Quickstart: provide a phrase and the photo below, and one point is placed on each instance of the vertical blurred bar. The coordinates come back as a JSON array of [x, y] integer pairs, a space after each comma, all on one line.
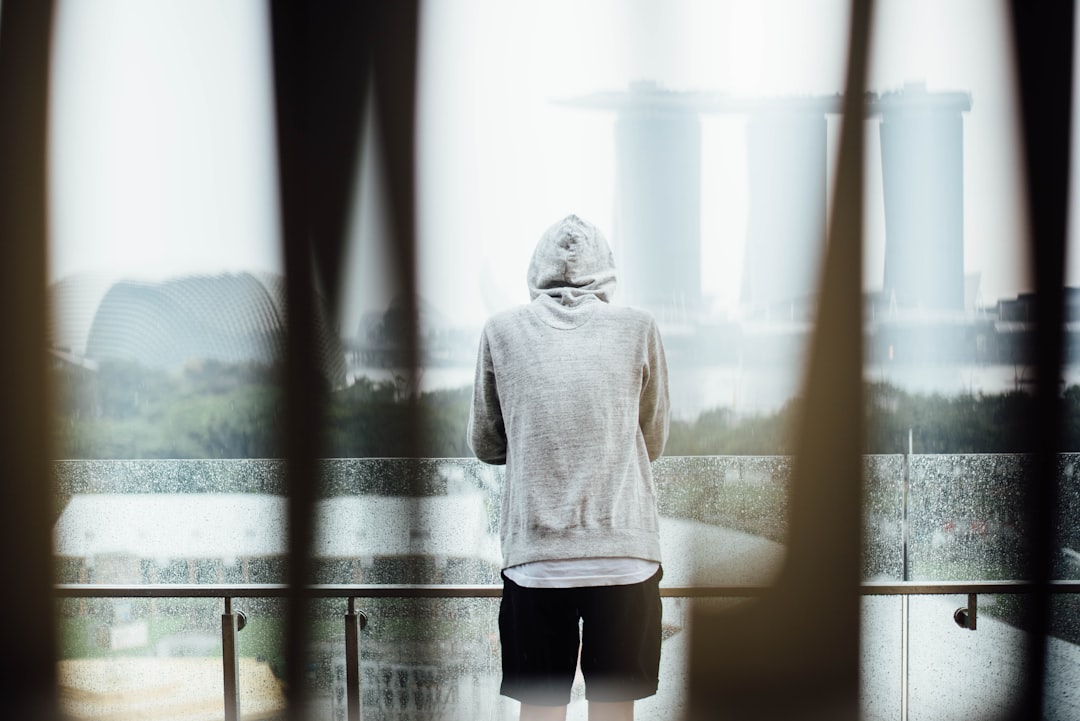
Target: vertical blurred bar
[[293, 35], [794, 653], [395, 47], [1043, 34], [27, 633], [324, 54]]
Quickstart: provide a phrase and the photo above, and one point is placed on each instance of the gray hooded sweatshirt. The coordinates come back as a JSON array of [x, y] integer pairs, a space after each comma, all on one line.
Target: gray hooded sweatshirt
[[571, 394]]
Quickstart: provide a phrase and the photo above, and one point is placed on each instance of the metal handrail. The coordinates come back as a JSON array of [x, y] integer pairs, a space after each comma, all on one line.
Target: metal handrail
[[438, 590], [232, 621]]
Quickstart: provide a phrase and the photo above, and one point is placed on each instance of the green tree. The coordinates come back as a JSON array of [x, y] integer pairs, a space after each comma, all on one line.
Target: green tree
[[221, 410]]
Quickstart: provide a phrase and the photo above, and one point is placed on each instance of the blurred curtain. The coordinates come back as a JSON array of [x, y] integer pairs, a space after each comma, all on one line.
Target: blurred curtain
[[325, 55], [27, 616]]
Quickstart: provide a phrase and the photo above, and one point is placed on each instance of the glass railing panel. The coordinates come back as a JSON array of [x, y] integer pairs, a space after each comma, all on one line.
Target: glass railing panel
[[883, 518], [326, 689], [223, 521], [168, 521], [137, 522], [956, 673], [1064, 643], [161, 658], [724, 519], [966, 521], [370, 532], [1063, 658], [408, 521], [425, 659], [881, 681], [261, 657], [966, 517], [671, 700], [1067, 563]]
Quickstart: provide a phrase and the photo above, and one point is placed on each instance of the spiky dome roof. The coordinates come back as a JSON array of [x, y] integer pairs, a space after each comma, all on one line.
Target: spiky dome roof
[[232, 318]]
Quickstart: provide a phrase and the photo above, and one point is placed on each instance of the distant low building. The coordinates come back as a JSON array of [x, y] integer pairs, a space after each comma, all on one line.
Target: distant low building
[[231, 318]]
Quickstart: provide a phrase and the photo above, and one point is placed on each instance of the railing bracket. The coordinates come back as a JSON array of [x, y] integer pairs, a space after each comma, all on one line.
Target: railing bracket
[[968, 617]]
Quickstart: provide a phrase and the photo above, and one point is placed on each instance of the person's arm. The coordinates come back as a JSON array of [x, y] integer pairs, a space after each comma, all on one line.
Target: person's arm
[[486, 434], [654, 409]]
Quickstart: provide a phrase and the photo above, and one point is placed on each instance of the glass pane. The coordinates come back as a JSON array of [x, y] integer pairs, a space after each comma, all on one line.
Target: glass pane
[[370, 535], [161, 658], [167, 309], [733, 504], [369, 531], [167, 295], [956, 673], [966, 523], [1068, 534], [432, 659], [1064, 641], [883, 518], [965, 517], [137, 522], [881, 677], [1063, 658], [952, 672], [165, 273]]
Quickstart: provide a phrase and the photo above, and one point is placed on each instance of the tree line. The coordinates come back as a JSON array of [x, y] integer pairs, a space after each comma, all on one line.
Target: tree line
[[218, 410]]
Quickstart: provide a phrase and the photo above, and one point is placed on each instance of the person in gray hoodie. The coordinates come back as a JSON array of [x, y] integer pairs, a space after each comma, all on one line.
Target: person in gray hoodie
[[571, 394]]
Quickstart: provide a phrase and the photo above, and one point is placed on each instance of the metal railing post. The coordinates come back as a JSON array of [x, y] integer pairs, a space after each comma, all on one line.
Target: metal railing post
[[354, 624], [230, 661], [905, 601]]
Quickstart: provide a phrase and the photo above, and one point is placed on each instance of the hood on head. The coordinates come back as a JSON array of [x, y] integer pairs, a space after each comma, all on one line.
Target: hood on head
[[572, 261]]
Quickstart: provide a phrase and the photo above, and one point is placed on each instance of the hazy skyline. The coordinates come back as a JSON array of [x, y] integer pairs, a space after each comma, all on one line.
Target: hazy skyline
[[162, 152]]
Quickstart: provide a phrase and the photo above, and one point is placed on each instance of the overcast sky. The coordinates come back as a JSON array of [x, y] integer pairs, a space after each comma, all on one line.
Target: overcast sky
[[162, 152]]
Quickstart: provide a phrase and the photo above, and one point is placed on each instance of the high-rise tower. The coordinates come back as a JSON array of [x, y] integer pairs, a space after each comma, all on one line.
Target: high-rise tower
[[787, 196], [657, 233], [659, 196], [658, 209], [922, 158]]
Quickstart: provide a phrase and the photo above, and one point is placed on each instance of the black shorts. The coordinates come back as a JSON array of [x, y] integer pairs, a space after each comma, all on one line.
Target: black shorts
[[619, 641]]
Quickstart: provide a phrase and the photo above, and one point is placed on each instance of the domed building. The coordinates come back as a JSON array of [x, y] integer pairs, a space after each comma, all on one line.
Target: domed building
[[231, 318]]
